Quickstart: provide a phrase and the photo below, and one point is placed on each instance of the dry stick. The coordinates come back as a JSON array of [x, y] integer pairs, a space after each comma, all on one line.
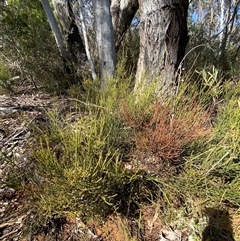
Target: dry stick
[[14, 136], [215, 164], [8, 234], [10, 223], [179, 80], [89, 104], [7, 220], [4, 225], [7, 110]]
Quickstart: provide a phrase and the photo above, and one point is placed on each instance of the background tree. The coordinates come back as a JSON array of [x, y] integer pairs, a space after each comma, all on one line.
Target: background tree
[[213, 27], [85, 37], [162, 34], [167, 38]]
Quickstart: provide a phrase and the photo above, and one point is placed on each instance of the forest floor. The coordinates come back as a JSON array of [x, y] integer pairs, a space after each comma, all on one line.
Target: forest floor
[[18, 112]]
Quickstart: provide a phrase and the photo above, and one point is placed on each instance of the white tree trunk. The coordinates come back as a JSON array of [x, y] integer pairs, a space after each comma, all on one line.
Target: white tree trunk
[[3, 3], [56, 31], [105, 39], [222, 14], [84, 30]]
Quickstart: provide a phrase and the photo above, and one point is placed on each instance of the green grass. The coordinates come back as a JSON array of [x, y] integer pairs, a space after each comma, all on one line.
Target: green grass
[[211, 176], [217, 168], [79, 163]]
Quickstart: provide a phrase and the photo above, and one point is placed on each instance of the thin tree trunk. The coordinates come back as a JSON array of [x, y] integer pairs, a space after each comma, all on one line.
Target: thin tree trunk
[[84, 30], [222, 16], [105, 40], [225, 35], [122, 12], [163, 39], [56, 31]]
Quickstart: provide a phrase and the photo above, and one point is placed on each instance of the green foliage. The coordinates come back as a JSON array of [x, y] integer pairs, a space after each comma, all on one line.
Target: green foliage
[[27, 44], [209, 176], [5, 83], [79, 164], [213, 43], [80, 168], [212, 175], [211, 82]]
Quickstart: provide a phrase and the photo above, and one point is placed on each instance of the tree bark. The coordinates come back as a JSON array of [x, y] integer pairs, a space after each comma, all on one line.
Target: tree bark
[[123, 12], [105, 40], [67, 20], [85, 37], [163, 39], [56, 31], [74, 39]]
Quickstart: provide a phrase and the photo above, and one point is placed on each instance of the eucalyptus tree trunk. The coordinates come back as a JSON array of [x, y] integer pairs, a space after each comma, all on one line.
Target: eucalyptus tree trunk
[[68, 22], [221, 21], [56, 31], [85, 37], [229, 12], [122, 12], [163, 39], [105, 39]]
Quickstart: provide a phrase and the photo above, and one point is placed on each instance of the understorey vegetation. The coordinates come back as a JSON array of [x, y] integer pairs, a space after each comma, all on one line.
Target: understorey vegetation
[[110, 153]]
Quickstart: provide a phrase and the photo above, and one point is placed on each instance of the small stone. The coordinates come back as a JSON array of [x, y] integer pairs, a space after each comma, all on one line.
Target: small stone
[[2, 209]]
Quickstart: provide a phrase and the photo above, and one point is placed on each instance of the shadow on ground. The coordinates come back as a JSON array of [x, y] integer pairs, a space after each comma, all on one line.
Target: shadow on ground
[[219, 226]]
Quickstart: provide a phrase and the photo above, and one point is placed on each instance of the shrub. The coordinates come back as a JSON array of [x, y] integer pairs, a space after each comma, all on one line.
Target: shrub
[[79, 169], [212, 173], [167, 131]]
